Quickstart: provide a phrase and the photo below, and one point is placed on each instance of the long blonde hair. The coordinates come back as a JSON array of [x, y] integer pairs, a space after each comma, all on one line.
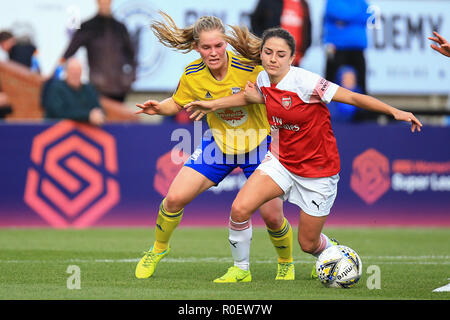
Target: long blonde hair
[[184, 39], [245, 43], [241, 39]]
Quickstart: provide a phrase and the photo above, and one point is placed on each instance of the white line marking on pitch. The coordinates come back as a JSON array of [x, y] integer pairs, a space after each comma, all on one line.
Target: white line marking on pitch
[[445, 288], [399, 260]]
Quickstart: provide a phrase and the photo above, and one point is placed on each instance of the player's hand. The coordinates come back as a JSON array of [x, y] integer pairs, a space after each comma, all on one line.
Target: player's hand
[[198, 109], [252, 94], [150, 107], [441, 46], [408, 117]]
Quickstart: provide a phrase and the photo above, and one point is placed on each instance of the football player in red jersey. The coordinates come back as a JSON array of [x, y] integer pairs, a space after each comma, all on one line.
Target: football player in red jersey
[[305, 168], [216, 73]]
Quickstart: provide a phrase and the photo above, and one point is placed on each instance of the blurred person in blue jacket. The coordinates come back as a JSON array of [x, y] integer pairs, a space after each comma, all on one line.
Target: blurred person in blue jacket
[[20, 50], [345, 37], [340, 112], [347, 78]]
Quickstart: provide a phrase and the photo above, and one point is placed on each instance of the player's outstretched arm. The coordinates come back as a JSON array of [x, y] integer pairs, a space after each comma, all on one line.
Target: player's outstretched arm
[[441, 46], [249, 96], [167, 107], [372, 104]]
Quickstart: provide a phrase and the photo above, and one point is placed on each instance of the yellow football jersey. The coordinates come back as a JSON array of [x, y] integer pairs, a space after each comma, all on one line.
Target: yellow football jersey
[[235, 130]]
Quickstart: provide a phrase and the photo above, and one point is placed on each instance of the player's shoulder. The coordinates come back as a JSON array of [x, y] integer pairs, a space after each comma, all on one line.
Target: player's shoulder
[[239, 63], [295, 77], [194, 67], [299, 78], [302, 75]]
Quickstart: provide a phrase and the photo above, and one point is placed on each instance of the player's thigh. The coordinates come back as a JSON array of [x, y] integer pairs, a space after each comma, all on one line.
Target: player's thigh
[[258, 189], [186, 186]]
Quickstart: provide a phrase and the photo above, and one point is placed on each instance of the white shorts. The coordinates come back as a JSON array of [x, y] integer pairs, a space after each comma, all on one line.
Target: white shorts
[[315, 196]]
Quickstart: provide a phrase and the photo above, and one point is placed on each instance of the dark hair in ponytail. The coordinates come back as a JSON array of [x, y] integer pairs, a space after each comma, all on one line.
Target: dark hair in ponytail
[[249, 46]]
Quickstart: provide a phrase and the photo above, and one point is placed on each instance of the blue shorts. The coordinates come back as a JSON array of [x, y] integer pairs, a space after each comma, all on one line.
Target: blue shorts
[[211, 162]]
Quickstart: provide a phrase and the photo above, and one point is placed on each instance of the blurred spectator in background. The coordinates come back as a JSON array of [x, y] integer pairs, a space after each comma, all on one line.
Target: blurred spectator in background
[[5, 106], [345, 37], [443, 47], [111, 57], [341, 112], [292, 15], [71, 99], [21, 50]]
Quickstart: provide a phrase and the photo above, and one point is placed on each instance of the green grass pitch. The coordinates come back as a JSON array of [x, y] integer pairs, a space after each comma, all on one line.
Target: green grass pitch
[[34, 263]]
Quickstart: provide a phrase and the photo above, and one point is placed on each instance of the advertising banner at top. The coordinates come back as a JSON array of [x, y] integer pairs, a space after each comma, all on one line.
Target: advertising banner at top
[[399, 59]]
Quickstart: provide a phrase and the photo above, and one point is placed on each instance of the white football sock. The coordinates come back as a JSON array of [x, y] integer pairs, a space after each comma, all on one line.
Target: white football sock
[[240, 237], [324, 244]]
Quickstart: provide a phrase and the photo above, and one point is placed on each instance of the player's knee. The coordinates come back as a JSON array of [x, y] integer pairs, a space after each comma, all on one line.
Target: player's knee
[[239, 212], [273, 221], [273, 216], [174, 202]]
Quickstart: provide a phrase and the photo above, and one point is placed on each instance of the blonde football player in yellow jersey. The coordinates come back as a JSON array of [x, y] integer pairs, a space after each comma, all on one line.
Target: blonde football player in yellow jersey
[[238, 134]]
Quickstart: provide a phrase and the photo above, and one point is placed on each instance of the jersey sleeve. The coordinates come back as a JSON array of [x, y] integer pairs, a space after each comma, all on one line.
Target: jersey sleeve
[[183, 93], [324, 90], [313, 88], [259, 83]]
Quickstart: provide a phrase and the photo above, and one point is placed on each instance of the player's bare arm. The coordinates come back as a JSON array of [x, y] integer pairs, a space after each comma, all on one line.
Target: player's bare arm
[[372, 104], [167, 107], [250, 95], [199, 108]]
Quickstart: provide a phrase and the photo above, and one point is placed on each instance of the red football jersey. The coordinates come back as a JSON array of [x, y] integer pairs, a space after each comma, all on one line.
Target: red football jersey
[[300, 121]]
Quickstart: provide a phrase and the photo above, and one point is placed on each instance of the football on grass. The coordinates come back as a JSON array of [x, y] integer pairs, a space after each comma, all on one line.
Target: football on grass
[[339, 267]]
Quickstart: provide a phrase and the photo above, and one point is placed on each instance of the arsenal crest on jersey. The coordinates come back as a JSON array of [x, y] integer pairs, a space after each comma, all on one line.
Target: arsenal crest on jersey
[[286, 102]]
